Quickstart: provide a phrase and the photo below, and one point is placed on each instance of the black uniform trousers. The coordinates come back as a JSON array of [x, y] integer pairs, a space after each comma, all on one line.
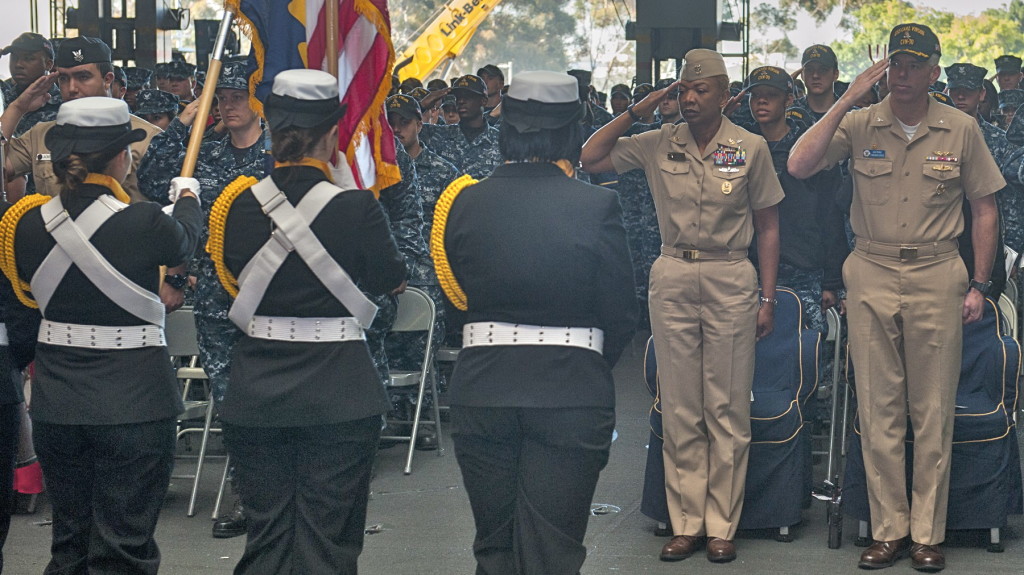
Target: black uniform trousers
[[10, 422], [106, 486], [305, 491], [530, 474]]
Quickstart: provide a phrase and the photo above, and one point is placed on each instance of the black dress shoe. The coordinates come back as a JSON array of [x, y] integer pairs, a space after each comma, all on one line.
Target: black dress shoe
[[882, 554], [426, 441], [232, 525], [680, 547], [927, 558]]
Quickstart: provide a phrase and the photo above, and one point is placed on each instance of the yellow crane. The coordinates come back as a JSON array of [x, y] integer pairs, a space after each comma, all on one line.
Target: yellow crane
[[444, 38]]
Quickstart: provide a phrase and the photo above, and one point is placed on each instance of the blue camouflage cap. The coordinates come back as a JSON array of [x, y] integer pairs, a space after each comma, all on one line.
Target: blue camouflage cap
[[234, 76], [419, 93], [175, 69], [1008, 63], [120, 76], [200, 78], [641, 90], [156, 102], [138, 78], [1011, 99], [964, 75]]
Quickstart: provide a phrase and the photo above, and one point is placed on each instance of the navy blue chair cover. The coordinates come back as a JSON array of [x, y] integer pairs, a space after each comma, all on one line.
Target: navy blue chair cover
[[985, 478], [779, 473]]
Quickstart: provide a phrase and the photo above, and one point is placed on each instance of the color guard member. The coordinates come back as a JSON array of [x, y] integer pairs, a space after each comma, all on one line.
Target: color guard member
[[532, 395], [302, 415], [104, 396]]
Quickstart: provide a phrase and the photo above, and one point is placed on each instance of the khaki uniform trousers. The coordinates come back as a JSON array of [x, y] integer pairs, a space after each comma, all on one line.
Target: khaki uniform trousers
[[704, 321], [905, 339]]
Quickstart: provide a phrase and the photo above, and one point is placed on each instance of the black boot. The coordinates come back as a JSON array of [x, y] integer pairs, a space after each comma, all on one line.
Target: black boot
[[232, 524]]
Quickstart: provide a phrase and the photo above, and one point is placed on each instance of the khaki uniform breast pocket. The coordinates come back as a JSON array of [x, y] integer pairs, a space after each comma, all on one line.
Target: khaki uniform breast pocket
[[45, 180], [727, 187], [942, 183], [873, 181], [677, 177]]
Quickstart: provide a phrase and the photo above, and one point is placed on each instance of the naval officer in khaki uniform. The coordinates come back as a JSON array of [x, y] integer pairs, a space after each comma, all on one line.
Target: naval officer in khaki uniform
[[84, 69], [912, 160], [713, 184]]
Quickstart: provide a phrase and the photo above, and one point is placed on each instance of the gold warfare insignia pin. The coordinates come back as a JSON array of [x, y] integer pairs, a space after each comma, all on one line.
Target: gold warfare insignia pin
[[727, 188]]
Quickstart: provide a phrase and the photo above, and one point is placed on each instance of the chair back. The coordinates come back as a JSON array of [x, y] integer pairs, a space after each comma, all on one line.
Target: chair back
[[180, 331], [416, 311]]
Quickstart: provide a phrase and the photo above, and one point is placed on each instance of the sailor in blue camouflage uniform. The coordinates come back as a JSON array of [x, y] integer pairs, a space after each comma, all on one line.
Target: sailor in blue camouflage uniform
[[638, 212], [472, 145], [812, 245], [180, 79], [820, 71], [404, 207], [434, 174], [31, 57], [220, 163], [1009, 102], [156, 107], [966, 89], [138, 79]]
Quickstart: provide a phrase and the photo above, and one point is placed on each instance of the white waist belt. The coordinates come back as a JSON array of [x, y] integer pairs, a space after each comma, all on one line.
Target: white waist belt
[[305, 329], [3, 334], [499, 333], [100, 336]]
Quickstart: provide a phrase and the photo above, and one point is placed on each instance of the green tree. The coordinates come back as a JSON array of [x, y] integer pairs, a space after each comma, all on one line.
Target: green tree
[[764, 19], [820, 10], [976, 39]]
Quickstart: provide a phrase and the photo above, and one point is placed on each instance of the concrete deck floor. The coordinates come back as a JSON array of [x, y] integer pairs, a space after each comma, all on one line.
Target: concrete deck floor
[[426, 527]]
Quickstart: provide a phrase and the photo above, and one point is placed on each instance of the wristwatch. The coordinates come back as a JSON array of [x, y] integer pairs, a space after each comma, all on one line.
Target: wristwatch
[[176, 281], [983, 287], [629, 110]]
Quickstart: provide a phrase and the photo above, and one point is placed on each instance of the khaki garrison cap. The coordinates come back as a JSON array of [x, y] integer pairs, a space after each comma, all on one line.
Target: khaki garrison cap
[[701, 63]]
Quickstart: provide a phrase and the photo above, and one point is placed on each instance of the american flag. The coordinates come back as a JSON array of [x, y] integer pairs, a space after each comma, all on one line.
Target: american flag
[[292, 34]]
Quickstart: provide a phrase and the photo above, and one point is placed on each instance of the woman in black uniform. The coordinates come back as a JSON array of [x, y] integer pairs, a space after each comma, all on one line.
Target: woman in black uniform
[[104, 396], [302, 410], [545, 276]]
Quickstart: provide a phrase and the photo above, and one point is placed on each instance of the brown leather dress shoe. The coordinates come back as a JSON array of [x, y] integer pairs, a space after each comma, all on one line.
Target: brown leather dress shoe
[[882, 554], [721, 550], [927, 558], [680, 547]]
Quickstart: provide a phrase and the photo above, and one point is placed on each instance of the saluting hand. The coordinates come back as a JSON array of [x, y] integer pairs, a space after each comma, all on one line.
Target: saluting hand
[[431, 99], [866, 80], [37, 94], [734, 103], [188, 115], [650, 103]]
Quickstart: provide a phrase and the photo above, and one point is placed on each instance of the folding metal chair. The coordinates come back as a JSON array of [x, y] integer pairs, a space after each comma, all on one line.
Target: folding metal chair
[[416, 312], [183, 347]]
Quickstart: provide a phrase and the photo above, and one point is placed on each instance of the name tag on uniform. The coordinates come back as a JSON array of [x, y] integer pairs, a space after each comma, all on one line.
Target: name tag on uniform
[[677, 157], [42, 157], [874, 154]]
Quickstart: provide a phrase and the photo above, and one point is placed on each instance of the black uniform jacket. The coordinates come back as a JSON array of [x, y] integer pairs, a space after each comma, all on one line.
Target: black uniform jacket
[[530, 245], [79, 386], [290, 384]]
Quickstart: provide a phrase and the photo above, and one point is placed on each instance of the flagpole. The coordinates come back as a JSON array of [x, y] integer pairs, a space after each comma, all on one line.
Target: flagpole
[[195, 139], [331, 13]]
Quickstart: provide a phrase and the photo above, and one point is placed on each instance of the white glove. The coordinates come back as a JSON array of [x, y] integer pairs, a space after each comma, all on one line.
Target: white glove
[[181, 184]]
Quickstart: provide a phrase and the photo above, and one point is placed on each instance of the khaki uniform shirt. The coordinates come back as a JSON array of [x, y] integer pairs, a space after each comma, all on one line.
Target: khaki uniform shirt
[[28, 154], [912, 192], [701, 205]]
